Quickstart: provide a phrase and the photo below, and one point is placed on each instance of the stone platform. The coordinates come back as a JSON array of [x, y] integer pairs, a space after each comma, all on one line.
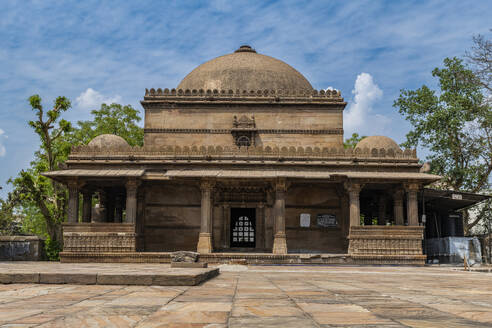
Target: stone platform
[[103, 274]]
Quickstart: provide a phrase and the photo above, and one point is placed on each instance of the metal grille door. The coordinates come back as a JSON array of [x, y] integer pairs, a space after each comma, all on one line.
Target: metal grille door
[[243, 227]]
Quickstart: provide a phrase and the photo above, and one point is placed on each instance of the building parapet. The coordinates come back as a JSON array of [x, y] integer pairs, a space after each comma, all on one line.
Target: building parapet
[[219, 152], [329, 96]]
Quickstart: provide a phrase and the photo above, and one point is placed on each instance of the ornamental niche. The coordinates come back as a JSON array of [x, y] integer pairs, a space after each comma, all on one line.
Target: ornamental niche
[[244, 131]]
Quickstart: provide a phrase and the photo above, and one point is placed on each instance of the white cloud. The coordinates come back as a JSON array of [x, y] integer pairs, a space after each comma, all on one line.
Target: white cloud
[[91, 99], [3, 151], [358, 116]]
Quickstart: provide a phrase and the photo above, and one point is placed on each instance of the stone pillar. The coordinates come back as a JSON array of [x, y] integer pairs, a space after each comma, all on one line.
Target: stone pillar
[[260, 222], [205, 237], [73, 202], [412, 205], [131, 201], [118, 208], [86, 206], [280, 238], [353, 190], [382, 210], [398, 207], [226, 214]]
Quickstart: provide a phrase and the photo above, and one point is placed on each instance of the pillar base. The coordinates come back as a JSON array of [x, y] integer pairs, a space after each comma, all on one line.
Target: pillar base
[[280, 244], [204, 243]]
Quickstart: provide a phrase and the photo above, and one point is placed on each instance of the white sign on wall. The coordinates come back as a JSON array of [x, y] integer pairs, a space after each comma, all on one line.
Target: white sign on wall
[[305, 220]]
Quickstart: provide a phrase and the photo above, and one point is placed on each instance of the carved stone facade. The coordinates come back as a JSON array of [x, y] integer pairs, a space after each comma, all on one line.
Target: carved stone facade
[[244, 160], [99, 238]]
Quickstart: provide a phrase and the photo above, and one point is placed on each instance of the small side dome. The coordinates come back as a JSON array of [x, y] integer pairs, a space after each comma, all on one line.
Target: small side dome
[[108, 141], [378, 142]]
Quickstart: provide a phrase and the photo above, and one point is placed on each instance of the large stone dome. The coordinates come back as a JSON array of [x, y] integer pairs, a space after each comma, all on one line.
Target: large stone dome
[[108, 141], [378, 142], [245, 70]]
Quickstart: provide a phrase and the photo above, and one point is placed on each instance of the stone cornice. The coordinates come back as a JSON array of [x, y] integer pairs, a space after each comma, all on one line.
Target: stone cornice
[[228, 131]]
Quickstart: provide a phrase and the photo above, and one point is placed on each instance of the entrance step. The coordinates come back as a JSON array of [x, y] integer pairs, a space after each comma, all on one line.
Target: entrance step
[[103, 274]]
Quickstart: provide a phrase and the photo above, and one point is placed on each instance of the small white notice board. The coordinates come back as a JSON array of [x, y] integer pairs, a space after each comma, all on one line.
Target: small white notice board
[[305, 220]]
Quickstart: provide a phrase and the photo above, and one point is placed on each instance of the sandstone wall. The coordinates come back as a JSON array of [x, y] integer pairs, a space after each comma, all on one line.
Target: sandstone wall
[[276, 127], [172, 217], [314, 200]]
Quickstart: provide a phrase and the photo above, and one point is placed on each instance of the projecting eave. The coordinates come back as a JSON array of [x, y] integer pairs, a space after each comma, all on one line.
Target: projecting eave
[[63, 175]]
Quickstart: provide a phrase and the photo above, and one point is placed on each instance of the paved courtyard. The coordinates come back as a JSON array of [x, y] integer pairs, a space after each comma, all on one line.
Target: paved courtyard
[[265, 296]]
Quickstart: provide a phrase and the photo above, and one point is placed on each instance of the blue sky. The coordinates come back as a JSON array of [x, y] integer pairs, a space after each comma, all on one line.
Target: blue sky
[[103, 51]]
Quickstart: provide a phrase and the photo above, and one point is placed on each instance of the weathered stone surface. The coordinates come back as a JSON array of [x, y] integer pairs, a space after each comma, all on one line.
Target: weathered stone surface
[[101, 274], [184, 256], [21, 248], [261, 296], [189, 265], [68, 278]]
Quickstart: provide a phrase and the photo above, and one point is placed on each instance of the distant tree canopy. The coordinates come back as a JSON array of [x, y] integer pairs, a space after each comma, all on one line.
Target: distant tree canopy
[[111, 119], [352, 141], [455, 124]]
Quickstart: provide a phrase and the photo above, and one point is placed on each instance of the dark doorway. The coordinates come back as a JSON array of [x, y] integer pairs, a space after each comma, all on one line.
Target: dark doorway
[[243, 227]]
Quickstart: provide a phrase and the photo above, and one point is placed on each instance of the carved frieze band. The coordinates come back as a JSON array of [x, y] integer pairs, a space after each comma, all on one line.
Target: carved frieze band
[[228, 131]]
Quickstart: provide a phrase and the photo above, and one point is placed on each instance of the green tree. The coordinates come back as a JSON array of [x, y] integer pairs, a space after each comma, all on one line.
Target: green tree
[[352, 141], [8, 224], [112, 119], [47, 197], [455, 124]]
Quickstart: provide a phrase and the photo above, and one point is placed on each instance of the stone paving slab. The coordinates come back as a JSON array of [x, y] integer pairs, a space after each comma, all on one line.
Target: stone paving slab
[[266, 296], [102, 274]]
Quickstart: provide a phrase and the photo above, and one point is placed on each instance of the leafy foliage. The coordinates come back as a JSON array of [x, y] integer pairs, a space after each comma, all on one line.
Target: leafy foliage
[[8, 224], [455, 124], [33, 190], [111, 119], [52, 249], [352, 141]]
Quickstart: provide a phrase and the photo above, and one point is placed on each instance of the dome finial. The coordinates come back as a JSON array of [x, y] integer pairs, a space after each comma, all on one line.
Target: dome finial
[[245, 48]]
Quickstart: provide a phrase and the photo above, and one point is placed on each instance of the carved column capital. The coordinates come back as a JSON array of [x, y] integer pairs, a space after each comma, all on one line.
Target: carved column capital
[[412, 186], [207, 184], [132, 183], [281, 185], [73, 184], [352, 187]]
